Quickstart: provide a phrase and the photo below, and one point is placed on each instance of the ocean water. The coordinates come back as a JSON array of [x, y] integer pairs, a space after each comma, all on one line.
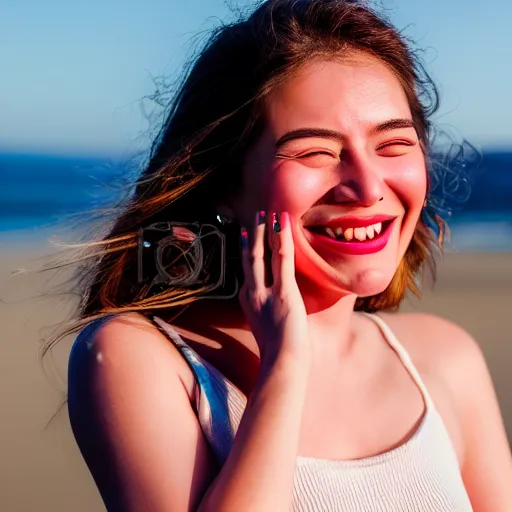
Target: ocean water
[[39, 190]]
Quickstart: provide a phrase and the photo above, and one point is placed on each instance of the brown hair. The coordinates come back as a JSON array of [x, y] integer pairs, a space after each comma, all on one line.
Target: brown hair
[[216, 115]]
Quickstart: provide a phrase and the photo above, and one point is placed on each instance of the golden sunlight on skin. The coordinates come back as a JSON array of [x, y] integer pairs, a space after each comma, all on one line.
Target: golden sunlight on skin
[[360, 170]]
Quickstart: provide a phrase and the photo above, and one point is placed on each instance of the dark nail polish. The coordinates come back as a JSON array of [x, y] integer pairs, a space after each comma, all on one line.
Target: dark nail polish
[[275, 223], [262, 215]]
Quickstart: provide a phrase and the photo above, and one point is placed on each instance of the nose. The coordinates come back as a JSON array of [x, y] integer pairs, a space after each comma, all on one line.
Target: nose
[[360, 183]]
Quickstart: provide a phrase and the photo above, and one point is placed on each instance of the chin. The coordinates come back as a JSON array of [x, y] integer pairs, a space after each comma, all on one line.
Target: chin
[[336, 283], [341, 275], [370, 282]]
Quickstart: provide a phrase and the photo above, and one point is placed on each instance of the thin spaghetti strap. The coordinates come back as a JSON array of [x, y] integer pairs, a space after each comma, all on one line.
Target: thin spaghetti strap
[[169, 331], [189, 354], [186, 352], [392, 340]]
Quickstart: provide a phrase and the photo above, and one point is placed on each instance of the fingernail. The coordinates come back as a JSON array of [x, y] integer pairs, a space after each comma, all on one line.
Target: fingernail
[[262, 215], [275, 223], [244, 237]]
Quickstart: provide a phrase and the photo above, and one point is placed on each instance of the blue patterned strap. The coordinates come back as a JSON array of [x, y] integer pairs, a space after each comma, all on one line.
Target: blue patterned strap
[[214, 398]]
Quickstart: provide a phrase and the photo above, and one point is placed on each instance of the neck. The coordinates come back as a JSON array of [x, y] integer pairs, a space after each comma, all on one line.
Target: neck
[[332, 321], [331, 318]]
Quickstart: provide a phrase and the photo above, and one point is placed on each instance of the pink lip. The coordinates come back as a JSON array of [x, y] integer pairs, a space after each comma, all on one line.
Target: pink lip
[[355, 247]]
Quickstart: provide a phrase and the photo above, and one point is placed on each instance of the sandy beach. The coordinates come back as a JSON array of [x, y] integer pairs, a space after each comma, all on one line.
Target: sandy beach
[[42, 469]]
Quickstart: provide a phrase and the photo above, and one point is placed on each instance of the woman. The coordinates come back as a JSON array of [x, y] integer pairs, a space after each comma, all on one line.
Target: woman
[[304, 130]]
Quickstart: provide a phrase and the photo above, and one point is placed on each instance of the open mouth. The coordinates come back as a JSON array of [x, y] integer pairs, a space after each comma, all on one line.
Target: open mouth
[[361, 234], [352, 235]]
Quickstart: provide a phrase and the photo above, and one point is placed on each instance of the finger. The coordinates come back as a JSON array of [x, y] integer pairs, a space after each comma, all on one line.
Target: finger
[[253, 254], [283, 254], [246, 267]]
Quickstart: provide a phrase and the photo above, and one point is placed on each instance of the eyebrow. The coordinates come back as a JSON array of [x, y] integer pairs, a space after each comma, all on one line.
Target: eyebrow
[[393, 124], [304, 133]]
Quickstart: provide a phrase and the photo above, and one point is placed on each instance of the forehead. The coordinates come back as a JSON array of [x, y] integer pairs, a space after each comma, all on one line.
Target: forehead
[[339, 95]]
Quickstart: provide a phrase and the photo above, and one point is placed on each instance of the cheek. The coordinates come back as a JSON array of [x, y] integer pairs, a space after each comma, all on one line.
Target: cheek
[[295, 189], [410, 183]]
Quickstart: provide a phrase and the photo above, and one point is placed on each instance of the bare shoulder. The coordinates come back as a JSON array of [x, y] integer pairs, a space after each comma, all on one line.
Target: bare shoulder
[[119, 353], [449, 361], [448, 358], [119, 357], [454, 365], [131, 413], [113, 334], [437, 343], [121, 342]]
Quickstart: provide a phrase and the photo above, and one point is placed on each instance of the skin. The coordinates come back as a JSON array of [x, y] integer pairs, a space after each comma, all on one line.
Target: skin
[[308, 350], [367, 173], [317, 177]]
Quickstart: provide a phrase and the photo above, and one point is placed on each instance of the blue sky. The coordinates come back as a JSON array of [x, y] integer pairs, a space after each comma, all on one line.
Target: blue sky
[[73, 73]]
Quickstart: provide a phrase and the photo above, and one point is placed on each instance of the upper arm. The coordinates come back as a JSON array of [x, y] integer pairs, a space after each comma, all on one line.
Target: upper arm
[[487, 465], [133, 421], [487, 461]]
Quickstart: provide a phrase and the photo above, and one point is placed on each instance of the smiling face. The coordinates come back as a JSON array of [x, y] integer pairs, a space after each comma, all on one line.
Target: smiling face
[[339, 153]]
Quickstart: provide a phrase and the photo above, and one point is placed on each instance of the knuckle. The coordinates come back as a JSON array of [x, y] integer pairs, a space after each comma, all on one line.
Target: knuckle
[[254, 302], [283, 297], [254, 256], [281, 252]]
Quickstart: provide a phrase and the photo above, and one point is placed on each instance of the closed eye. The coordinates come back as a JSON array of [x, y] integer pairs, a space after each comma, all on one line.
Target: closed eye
[[306, 155], [314, 158], [314, 153], [396, 147]]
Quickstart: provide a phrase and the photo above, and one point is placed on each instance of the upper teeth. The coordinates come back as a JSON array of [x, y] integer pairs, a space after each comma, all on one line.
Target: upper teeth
[[361, 233]]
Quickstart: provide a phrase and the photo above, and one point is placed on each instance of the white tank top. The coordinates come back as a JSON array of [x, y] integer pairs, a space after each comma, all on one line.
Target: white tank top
[[421, 475]]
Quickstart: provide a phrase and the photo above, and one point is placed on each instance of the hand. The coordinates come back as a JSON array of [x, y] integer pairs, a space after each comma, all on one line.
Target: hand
[[276, 314]]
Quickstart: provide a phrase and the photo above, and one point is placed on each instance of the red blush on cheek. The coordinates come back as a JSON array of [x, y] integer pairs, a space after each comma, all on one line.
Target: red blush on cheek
[[294, 188]]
